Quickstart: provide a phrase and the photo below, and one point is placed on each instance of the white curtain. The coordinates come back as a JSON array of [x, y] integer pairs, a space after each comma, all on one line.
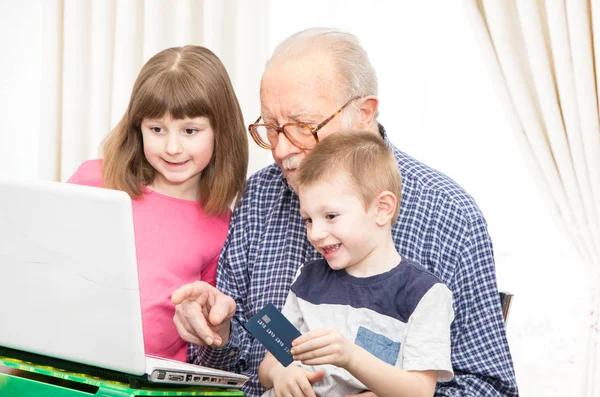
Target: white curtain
[[94, 49], [544, 54]]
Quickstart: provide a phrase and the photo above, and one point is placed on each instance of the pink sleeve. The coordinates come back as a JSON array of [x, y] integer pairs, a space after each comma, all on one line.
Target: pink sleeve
[[209, 273], [89, 173]]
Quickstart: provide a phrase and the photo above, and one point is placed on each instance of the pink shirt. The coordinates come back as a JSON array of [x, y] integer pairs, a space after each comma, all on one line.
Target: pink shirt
[[176, 244]]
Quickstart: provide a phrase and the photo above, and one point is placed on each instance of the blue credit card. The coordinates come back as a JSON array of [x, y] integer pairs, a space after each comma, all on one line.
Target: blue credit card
[[275, 332]]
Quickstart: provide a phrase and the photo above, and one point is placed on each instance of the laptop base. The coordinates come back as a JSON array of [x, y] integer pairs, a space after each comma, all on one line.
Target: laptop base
[[79, 378], [24, 378]]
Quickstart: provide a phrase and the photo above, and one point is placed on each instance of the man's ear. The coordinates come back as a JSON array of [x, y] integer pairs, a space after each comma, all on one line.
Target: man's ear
[[385, 203], [368, 109]]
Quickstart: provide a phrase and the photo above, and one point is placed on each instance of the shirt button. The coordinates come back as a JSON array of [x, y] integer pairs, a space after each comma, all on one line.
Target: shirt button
[[232, 353]]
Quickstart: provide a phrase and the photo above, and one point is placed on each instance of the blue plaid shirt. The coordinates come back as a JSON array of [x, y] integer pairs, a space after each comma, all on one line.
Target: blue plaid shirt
[[439, 226]]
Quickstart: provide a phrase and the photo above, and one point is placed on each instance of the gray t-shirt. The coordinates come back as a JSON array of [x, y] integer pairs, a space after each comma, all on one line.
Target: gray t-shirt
[[402, 317]]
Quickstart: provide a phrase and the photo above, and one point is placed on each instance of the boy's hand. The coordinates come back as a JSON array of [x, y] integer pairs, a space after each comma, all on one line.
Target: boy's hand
[[323, 346], [295, 381]]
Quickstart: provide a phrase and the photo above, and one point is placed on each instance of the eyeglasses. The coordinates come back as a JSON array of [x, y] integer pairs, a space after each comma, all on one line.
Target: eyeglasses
[[299, 134]]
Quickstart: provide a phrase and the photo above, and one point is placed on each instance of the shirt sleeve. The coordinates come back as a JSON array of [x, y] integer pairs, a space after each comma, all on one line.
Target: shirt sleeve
[[291, 310], [232, 280], [427, 344], [480, 353], [89, 173]]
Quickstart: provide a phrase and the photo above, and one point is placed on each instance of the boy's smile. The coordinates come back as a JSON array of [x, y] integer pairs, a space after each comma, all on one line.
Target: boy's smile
[[331, 248]]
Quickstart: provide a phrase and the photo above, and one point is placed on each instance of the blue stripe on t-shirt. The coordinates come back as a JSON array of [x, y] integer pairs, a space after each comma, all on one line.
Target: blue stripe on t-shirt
[[407, 283]]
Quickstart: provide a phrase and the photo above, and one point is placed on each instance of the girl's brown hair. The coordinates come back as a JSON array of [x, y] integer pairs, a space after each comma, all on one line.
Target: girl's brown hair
[[184, 82]]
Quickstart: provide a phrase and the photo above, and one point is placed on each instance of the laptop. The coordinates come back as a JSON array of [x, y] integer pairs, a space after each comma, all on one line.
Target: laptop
[[69, 284]]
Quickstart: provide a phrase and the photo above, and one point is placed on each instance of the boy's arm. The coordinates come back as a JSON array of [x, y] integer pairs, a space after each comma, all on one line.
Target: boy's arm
[[264, 370], [385, 380], [291, 378], [328, 346]]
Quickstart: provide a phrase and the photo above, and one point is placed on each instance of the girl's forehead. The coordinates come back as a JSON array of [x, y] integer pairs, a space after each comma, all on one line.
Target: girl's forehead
[[170, 116], [167, 119]]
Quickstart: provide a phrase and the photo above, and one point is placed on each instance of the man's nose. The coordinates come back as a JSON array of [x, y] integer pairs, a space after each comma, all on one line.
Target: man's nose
[[284, 148], [173, 144]]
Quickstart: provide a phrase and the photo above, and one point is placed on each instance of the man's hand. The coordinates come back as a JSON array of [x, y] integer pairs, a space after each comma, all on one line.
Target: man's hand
[[203, 314], [364, 394], [323, 346], [295, 381]]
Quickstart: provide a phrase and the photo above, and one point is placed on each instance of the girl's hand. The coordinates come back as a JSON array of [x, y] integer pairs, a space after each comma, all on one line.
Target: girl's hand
[[323, 346], [295, 381]]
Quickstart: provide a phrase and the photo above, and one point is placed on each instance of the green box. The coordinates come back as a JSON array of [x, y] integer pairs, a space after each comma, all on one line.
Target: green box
[[20, 378]]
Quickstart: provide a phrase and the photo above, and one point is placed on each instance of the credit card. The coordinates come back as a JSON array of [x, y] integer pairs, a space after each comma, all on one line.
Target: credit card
[[275, 332]]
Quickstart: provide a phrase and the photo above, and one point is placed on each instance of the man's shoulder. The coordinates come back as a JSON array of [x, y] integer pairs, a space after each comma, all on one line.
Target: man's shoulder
[[268, 178], [264, 189], [426, 185]]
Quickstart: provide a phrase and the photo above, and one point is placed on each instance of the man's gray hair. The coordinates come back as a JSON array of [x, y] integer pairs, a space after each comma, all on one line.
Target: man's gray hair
[[357, 75]]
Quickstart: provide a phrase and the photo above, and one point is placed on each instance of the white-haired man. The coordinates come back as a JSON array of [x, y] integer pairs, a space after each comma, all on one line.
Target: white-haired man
[[320, 82]]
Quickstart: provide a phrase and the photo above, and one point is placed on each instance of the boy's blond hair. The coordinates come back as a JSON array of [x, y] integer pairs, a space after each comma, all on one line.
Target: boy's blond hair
[[364, 156]]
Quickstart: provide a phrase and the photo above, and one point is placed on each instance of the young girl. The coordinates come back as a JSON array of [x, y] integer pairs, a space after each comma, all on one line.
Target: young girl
[[181, 152]]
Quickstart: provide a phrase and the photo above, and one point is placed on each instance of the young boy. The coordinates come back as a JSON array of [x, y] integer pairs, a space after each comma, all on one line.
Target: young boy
[[370, 319]]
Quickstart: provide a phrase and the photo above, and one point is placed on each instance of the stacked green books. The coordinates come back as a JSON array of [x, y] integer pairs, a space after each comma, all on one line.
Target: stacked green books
[[24, 378]]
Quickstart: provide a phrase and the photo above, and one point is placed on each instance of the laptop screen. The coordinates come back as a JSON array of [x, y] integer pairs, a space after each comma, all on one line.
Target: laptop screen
[[69, 282]]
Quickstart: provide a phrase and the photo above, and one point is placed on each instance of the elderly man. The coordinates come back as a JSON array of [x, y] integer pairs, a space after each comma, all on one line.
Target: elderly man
[[320, 82]]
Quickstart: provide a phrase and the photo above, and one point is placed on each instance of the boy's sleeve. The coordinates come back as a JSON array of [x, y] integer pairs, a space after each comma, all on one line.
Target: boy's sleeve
[[427, 344], [291, 308]]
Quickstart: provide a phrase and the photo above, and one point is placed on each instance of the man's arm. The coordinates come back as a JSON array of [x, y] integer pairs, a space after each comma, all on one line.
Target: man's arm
[[232, 280], [480, 354]]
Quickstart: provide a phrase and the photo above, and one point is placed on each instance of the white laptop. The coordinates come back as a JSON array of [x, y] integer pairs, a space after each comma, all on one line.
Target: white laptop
[[69, 283]]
